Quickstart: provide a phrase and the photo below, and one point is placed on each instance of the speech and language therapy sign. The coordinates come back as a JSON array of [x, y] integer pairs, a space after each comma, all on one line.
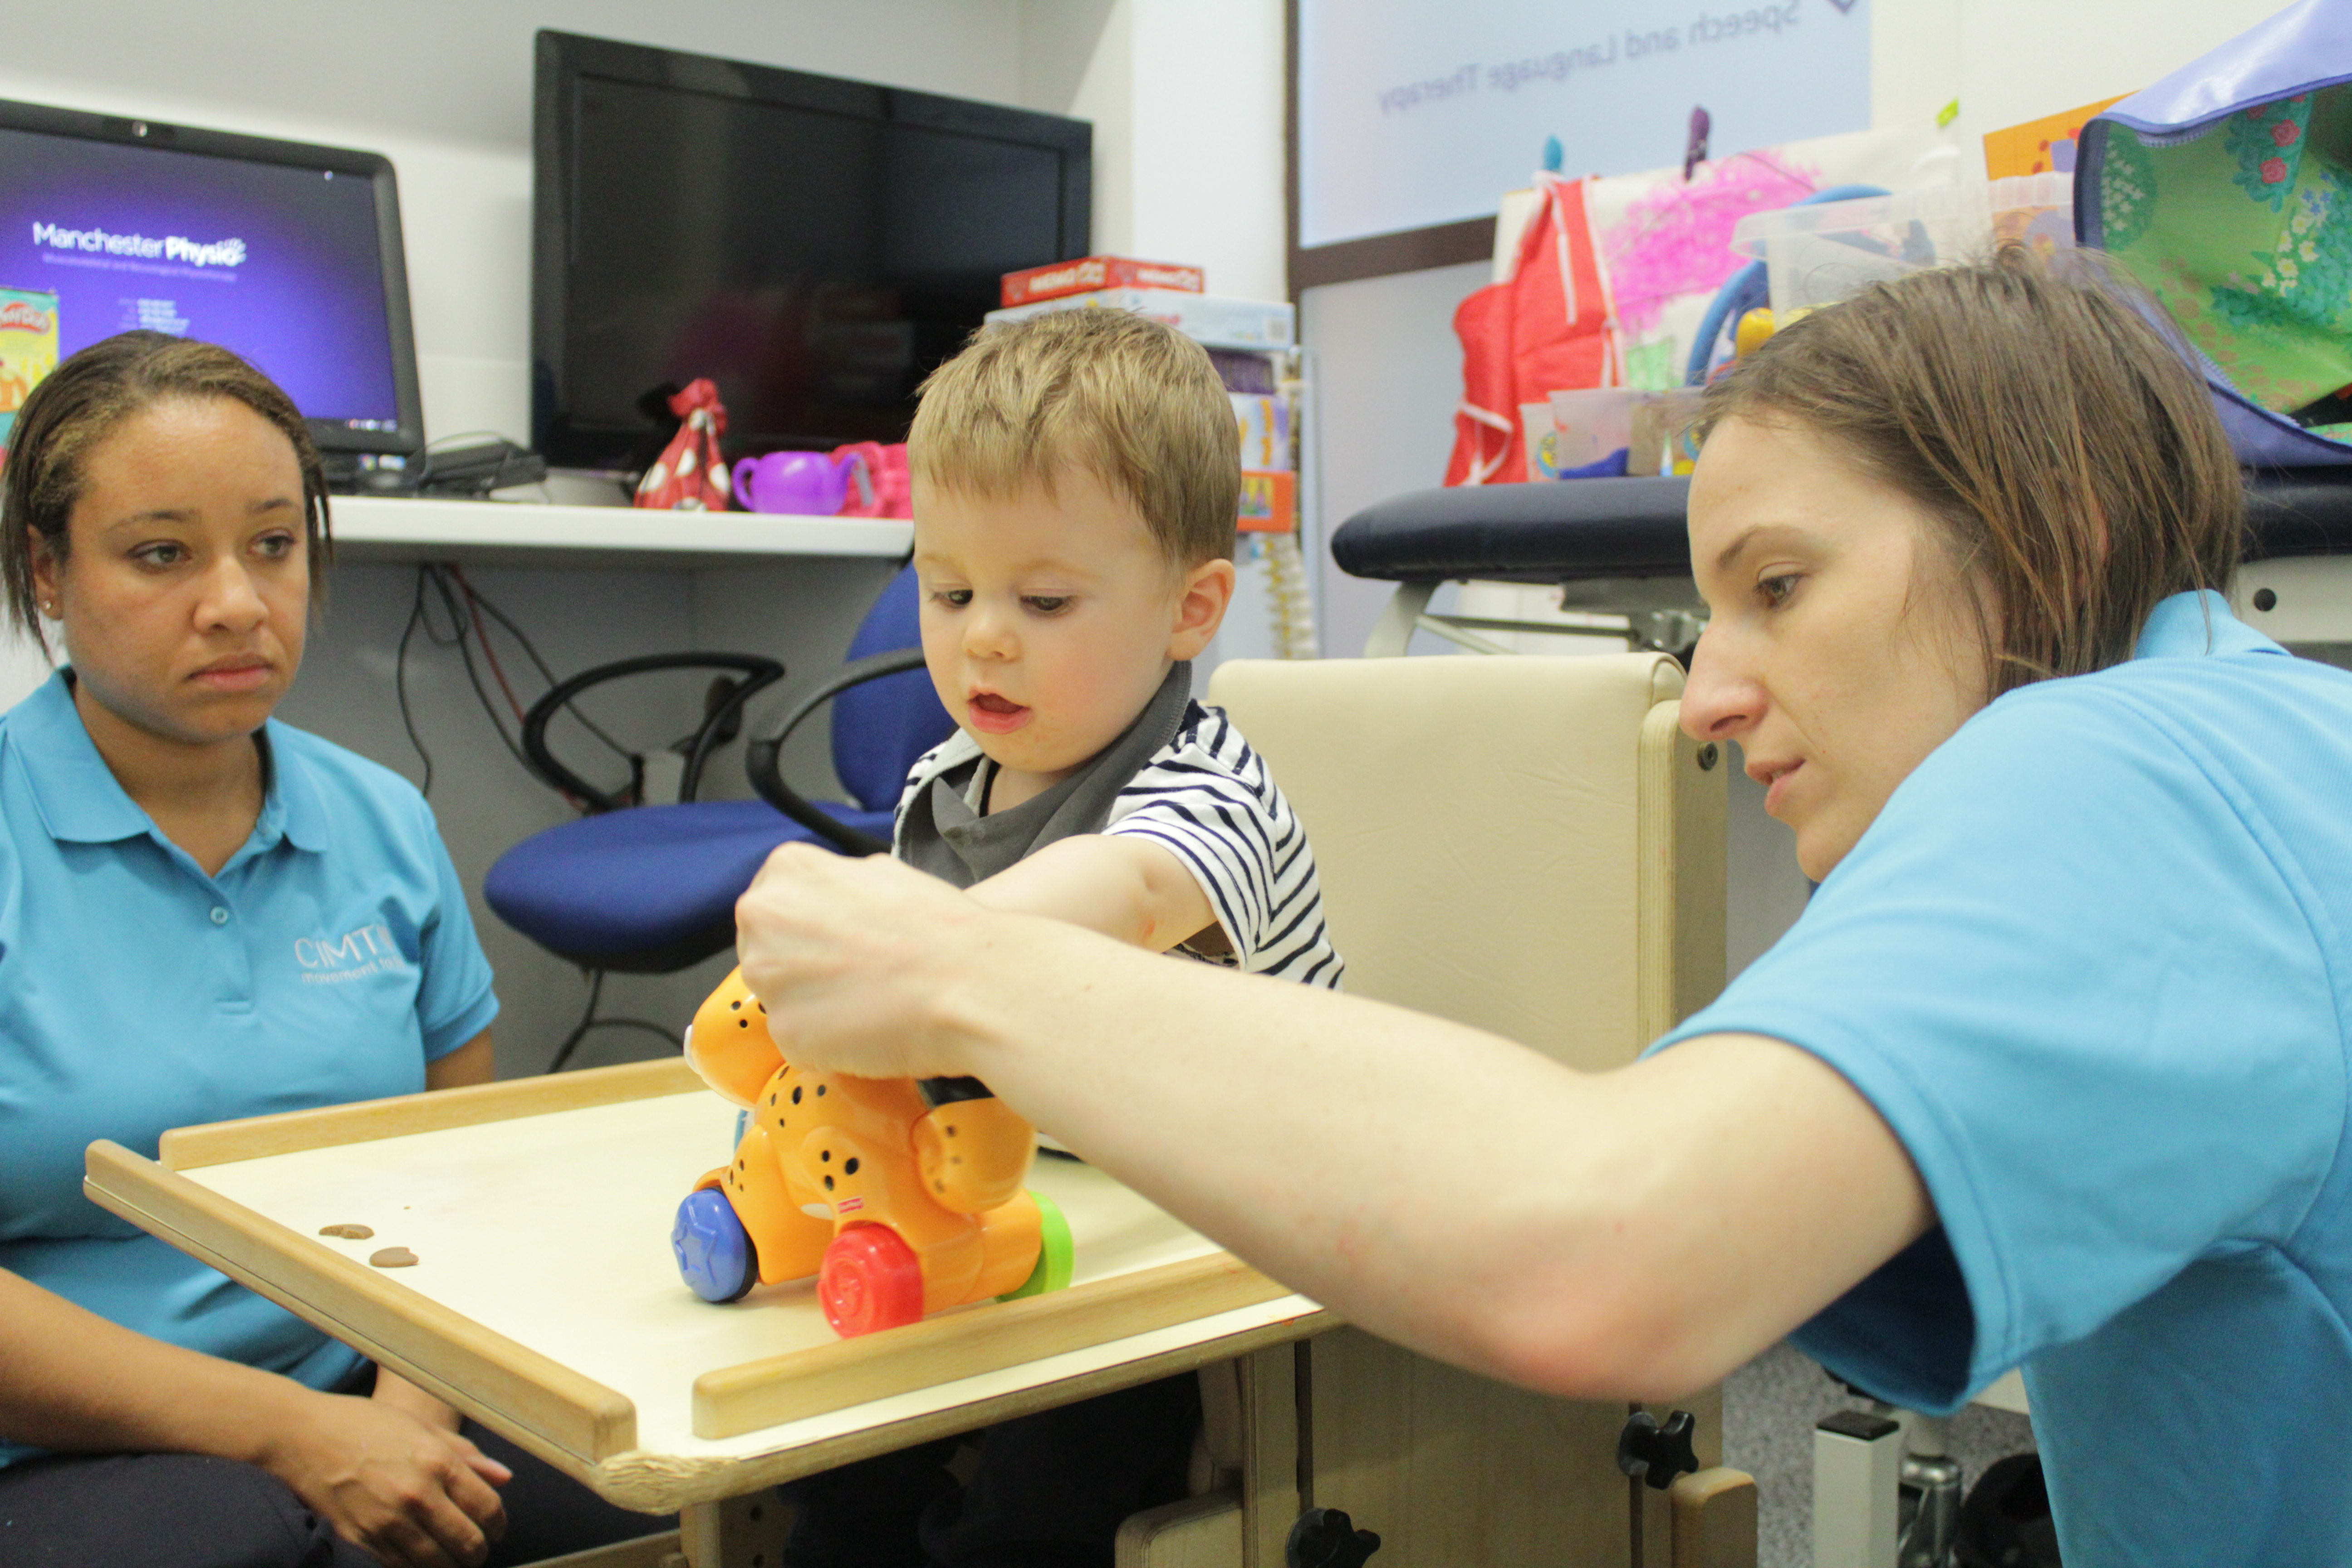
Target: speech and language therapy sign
[[1413, 113]]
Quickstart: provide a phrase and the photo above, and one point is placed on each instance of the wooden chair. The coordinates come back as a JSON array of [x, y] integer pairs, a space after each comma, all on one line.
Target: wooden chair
[[1532, 846]]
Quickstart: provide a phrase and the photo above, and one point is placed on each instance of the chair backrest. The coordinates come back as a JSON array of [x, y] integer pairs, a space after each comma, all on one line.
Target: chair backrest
[[880, 727], [1526, 845]]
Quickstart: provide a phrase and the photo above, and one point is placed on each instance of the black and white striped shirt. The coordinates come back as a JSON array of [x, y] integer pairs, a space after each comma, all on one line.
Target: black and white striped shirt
[[1211, 801]]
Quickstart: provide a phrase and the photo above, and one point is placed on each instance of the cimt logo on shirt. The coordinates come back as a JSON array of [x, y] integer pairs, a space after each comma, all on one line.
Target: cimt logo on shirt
[[356, 954]]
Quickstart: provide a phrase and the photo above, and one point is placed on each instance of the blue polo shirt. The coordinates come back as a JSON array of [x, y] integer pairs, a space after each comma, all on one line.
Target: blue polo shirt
[[329, 961], [2092, 964]]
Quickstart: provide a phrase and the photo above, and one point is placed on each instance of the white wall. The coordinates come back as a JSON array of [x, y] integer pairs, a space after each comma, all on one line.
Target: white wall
[[1389, 369], [1186, 98], [2007, 62], [444, 88], [1187, 94]]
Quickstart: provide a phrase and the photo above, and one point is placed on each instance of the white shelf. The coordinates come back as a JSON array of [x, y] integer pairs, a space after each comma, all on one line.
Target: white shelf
[[390, 528]]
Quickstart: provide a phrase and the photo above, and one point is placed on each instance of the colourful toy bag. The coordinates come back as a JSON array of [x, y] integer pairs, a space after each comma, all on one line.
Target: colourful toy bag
[[1664, 234], [2226, 191], [1612, 279]]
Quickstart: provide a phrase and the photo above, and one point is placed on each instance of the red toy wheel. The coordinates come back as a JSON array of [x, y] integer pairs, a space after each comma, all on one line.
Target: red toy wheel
[[870, 1280]]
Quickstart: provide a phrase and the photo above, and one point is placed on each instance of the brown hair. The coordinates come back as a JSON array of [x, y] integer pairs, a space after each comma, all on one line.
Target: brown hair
[[2062, 438], [75, 407], [1136, 404]]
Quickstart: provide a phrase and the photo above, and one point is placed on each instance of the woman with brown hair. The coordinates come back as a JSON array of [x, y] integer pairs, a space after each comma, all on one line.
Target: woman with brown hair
[[2051, 1072], [207, 914]]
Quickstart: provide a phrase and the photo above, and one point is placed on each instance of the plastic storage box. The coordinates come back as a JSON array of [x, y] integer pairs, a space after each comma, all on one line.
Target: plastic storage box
[[1818, 255]]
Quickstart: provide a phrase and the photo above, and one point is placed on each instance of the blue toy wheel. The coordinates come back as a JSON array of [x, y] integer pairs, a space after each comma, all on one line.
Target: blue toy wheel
[[715, 1255]]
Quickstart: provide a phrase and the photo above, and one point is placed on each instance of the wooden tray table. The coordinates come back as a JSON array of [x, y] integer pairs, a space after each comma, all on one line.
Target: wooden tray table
[[546, 1304]]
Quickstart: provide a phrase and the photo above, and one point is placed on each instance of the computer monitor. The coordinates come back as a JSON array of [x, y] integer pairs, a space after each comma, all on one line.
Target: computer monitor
[[286, 253], [812, 245]]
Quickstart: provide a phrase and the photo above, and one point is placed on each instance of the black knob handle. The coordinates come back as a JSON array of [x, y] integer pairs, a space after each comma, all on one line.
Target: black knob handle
[[1655, 1454], [1326, 1538]]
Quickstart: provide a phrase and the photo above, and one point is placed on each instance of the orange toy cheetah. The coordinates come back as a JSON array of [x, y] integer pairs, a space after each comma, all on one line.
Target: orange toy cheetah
[[900, 1197]]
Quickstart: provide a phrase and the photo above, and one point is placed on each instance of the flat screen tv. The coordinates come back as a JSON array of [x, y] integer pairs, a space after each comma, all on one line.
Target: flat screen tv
[[812, 245], [288, 253]]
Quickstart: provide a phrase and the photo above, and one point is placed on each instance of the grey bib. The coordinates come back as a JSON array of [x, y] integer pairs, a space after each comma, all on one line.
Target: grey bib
[[944, 835]]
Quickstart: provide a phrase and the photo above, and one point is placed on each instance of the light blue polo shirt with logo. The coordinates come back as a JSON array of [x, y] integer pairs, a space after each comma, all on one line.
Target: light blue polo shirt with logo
[[329, 961], [2092, 964]]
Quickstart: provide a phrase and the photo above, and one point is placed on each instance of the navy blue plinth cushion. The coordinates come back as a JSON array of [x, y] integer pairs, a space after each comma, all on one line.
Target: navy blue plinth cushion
[[1563, 531], [880, 727], [649, 890], [1576, 529]]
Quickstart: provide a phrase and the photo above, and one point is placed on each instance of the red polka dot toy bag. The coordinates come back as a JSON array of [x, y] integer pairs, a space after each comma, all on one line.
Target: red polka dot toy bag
[[690, 476], [2226, 191]]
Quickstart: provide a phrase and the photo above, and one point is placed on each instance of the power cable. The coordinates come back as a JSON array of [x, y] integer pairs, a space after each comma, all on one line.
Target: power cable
[[460, 623], [400, 685], [589, 1023], [482, 636], [530, 650]]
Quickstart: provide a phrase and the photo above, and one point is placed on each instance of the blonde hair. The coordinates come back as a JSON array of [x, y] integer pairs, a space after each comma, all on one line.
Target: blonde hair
[[1137, 404]]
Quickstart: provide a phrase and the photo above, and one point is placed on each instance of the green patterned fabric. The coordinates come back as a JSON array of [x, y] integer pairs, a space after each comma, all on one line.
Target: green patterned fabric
[[2244, 233]]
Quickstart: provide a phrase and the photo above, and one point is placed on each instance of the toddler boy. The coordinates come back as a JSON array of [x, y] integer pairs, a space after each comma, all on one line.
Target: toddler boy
[[1077, 479]]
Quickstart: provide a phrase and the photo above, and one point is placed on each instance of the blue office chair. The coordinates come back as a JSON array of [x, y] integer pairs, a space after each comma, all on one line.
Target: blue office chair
[[651, 889]]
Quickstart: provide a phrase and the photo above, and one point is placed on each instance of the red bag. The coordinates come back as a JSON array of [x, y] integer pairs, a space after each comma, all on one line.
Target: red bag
[[1546, 329], [690, 475]]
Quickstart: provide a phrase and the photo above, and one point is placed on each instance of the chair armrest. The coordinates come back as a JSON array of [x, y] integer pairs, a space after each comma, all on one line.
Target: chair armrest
[[758, 671], [759, 757]]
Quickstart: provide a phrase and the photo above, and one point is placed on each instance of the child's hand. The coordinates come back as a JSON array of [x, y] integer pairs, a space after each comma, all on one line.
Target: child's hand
[[854, 961]]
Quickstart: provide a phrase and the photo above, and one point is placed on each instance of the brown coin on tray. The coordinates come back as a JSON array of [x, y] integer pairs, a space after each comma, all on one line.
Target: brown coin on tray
[[348, 1232], [392, 1258]]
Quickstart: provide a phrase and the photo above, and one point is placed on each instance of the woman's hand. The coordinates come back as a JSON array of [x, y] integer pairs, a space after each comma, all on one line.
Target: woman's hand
[[414, 1495], [399, 1394], [852, 957]]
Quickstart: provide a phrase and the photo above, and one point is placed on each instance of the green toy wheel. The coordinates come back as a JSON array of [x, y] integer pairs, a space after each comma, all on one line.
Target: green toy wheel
[[1057, 1256]]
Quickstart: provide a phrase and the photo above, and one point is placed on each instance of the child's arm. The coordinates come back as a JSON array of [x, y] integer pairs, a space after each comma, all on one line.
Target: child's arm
[[1122, 886]]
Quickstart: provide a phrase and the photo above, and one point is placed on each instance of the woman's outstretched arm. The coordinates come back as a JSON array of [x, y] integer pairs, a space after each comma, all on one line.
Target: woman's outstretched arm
[[1634, 1233]]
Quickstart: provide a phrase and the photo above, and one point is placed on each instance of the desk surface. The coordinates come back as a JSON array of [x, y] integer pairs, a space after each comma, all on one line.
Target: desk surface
[[390, 528], [547, 1234]]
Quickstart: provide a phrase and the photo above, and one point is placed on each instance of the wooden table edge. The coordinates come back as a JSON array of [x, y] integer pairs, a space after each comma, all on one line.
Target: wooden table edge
[[366, 1121], [661, 1483], [562, 1415], [731, 1401]]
